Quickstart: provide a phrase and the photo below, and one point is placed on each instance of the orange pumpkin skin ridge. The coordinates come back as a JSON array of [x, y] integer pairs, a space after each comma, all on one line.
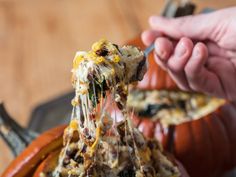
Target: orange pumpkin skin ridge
[[25, 164], [204, 146]]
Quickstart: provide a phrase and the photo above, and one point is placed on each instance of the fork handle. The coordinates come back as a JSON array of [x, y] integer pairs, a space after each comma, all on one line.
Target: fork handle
[[15, 136]]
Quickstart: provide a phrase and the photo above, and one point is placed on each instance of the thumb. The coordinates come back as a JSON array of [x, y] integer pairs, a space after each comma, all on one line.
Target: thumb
[[199, 27]]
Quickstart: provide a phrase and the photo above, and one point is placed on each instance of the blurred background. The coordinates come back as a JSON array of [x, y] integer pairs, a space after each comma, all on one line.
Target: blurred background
[[39, 38]]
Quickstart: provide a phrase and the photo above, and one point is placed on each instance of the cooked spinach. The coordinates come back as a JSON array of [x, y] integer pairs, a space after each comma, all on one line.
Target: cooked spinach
[[151, 109], [96, 90]]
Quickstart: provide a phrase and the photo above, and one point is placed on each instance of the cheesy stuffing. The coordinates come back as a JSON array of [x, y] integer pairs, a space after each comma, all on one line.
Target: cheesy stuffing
[[94, 143]]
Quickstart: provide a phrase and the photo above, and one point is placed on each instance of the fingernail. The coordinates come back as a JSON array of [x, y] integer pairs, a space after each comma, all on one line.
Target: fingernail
[[181, 49], [196, 52], [152, 19], [161, 54]]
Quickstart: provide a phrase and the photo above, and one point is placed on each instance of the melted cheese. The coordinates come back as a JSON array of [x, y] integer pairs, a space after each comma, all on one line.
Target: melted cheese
[[114, 66], [98, 136]]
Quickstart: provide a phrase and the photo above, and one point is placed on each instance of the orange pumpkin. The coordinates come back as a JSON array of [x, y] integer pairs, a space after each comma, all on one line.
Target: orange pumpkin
[[25, 164], [205, 146], [41, 156]]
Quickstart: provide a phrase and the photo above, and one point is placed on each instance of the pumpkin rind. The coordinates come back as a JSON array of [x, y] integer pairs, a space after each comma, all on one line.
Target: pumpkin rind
[[48, 164], [25, 164]]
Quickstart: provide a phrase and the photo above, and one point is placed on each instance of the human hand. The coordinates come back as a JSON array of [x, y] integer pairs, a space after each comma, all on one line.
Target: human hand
[[199, 52]]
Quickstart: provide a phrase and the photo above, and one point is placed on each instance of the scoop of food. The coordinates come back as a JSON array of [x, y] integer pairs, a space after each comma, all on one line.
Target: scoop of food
[[94, 143], [106, 65]]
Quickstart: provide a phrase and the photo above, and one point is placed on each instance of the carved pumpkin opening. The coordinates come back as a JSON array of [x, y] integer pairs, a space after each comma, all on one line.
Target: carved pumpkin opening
[[171, 107]]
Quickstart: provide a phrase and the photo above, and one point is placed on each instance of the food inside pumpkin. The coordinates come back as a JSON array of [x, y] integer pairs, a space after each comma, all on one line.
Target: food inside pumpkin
[[171, 107], [94, 143], [124, 154]]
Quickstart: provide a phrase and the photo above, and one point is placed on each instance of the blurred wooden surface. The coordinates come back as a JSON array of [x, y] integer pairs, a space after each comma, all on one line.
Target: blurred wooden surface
[[38, 40]]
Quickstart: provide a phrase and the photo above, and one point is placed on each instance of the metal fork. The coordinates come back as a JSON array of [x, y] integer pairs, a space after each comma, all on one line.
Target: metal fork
[[149, 49]]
